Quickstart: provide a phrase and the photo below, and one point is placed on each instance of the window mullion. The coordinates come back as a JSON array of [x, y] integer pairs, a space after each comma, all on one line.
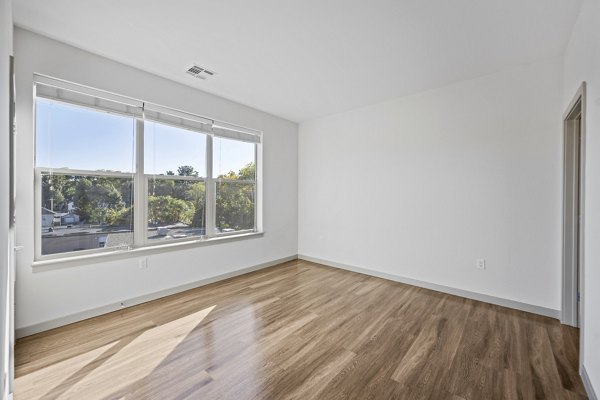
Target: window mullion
[[258, 188], [140, 199], [38, 218], [210, 189]]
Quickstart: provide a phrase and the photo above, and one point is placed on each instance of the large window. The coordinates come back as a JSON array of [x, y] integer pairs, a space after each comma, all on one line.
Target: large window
[[235, 170], [85, 167], [175, 167], [113, 173]]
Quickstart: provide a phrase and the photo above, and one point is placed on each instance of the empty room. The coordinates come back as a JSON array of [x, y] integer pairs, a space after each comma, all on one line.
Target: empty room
[[277, 200]]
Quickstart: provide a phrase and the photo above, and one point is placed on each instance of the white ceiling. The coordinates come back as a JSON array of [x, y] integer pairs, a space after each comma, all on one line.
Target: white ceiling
[[308, 58]]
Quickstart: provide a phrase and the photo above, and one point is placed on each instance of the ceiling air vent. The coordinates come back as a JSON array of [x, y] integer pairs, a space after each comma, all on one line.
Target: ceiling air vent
[[199, 72]]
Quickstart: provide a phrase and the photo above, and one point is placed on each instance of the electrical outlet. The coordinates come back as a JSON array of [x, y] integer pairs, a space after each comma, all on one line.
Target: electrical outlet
[[480, 263], [143, 263]]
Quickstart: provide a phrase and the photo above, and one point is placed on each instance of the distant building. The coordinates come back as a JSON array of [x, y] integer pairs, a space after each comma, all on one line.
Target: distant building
[[47, 218], [69, 219], [64, 240]]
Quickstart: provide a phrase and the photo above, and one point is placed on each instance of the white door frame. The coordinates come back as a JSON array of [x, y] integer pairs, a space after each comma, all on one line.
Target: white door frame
[[574, 139]]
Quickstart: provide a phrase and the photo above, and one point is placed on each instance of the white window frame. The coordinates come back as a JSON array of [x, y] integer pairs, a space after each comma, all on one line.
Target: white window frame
[[39, 171], [146, 182], [141, 179]]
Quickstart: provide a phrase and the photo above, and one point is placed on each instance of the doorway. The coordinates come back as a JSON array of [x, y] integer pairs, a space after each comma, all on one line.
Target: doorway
[[573, 209]]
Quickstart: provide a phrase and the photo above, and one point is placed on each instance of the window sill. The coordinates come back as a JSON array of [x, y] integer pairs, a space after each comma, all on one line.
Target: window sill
[[78, 260]]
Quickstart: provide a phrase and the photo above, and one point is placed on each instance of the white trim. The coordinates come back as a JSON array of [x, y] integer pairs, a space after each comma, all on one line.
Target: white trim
[[235, 135], [84, 253], [69, 319], [175, 177], [258, 187], [192, 125], [78, 100], [240, 181], [547, 312], [86, 90], [566, 312], [218, 128], [113, 254], [210, 191], [233, 233], [176, 113], [236, 128], [572, 311], [37, 214], [82, 172], [230, 131], [587, 384], [140, 185]]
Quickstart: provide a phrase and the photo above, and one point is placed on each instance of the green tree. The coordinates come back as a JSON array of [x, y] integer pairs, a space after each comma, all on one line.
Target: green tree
[[181, 189], [126, 189], [197, 195], [169, 210], [53, 187], [236, 201], [80, 198], [161, 187], [120, 217], [95, 196], [247, 172], [173, 201], [186, 170]]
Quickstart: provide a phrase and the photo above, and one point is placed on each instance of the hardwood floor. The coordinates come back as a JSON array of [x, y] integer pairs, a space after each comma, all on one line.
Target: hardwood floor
[[304, 331]]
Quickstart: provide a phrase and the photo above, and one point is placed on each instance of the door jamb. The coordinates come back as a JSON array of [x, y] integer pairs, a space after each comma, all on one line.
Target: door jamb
[[567, 317]]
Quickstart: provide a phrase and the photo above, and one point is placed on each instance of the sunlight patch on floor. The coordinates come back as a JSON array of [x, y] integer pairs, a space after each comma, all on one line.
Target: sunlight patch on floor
[[109, 369]]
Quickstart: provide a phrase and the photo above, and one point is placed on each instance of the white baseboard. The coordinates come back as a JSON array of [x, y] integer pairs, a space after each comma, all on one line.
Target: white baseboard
[[68, 319], [547, 312], [588, 384], [80, 316]]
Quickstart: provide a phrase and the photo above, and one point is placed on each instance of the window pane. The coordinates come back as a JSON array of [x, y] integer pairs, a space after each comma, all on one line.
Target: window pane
[[233, 159], [235, 206], [169, 150], [69, 136], [176, 209], [85, 212]]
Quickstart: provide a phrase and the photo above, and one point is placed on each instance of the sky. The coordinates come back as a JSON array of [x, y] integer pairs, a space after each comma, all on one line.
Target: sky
[[75, 137]]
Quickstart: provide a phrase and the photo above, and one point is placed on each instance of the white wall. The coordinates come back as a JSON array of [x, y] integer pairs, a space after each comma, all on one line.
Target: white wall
[[42, 296], [421, 186], [6, 30], [582, 63], [5, 51]]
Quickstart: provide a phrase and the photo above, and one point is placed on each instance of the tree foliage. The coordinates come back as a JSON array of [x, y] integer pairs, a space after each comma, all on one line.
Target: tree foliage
[[247, 173], [235, 201], [120, 217], [57, 190], [163, 210], [96, 199], [95, 196], [187, 170], [105, 200], [197, 195], [191, 192]]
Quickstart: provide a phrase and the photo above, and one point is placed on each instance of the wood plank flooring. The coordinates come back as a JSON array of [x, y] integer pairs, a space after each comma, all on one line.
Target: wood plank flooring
[[304, 331]]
